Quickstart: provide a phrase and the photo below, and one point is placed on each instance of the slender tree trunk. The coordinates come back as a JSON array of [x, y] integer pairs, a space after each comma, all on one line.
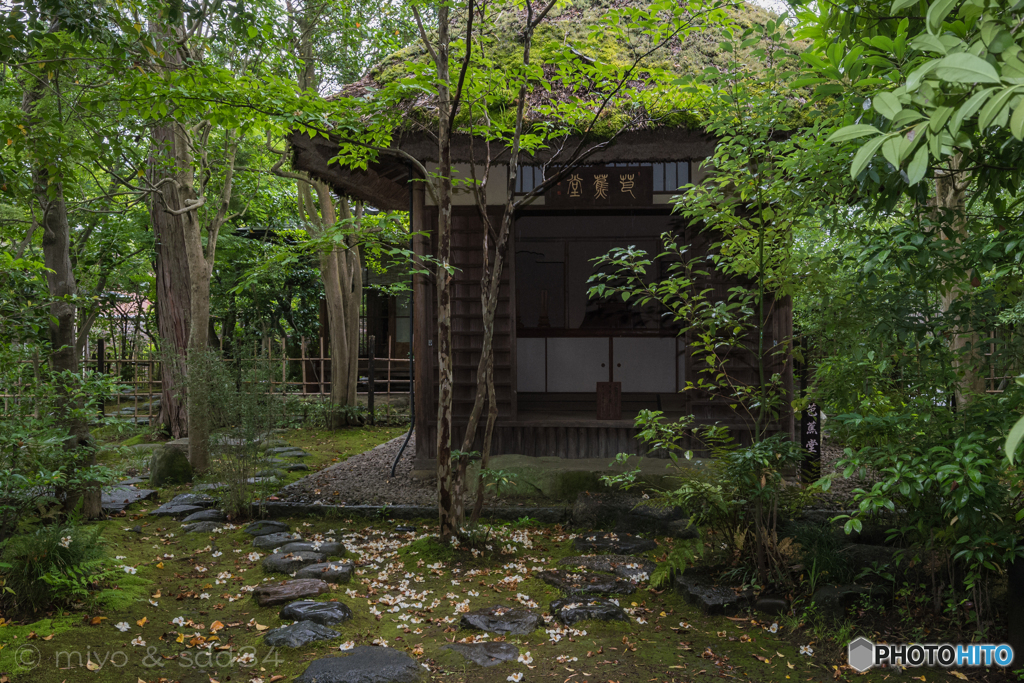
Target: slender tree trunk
[[171, 159], [60, 279], [449, 509]]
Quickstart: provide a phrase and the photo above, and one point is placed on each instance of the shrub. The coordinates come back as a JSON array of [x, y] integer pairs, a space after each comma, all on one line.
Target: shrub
[[54, 566]]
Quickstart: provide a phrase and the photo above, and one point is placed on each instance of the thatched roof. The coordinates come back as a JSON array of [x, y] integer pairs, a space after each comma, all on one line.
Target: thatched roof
[[658, 121]]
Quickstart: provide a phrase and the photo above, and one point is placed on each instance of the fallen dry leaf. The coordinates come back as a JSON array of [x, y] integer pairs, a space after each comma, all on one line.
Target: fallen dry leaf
[[31, 635], [156, 595], [142, 621], [96, 620], [216, 626], [261, 627], [49, 637], [958, 675], [91, 665]]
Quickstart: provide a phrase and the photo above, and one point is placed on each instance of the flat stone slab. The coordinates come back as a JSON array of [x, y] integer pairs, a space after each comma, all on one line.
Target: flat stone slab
[[330, 548], [134, 481], [169, 510], [275, 540], [286, 563], [121, 496], [265, 526], [283, 451], [331, 572], [323, 613], [298, 634], [287, 591], [486, 654], [216, 486], [502, 620], [200, 499], [571, 610], [628, 567], [363, 664], [710, 598], [205, 516], [296, 467], [202, 527], [611, 542], [293, 454], [586, 583]]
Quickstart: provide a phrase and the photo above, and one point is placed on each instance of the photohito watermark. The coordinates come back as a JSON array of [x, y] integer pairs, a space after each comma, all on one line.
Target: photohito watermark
[[862, 654]]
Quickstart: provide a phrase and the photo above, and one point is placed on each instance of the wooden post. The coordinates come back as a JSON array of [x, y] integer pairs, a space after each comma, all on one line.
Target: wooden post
[[101, 368], [609, 400], [370, 381]]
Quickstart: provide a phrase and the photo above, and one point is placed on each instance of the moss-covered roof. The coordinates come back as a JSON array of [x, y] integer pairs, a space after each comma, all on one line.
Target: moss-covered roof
[[571, 23]]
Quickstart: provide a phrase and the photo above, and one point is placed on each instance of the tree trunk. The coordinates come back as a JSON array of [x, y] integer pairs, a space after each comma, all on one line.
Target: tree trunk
[[963, 339], [169, 159], [60, 280]]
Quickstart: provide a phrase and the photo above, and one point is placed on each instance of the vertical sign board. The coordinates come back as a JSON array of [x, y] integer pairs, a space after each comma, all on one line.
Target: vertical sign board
[[810, 440], [590, 187]]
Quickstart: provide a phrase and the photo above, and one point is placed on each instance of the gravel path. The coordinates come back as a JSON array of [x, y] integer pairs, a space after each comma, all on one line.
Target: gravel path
[[365, 479]]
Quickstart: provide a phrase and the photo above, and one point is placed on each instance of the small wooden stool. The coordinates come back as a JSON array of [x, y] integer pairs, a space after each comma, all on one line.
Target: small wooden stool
[[609, 400]]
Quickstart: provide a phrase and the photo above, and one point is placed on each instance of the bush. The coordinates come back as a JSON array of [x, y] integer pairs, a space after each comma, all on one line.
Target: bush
[[54, 567]]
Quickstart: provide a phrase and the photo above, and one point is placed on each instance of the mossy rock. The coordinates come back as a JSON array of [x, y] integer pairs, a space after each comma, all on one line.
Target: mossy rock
[[169, 465]]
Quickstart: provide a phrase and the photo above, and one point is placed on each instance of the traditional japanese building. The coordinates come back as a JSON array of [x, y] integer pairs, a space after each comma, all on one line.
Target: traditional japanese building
[[555, 346]]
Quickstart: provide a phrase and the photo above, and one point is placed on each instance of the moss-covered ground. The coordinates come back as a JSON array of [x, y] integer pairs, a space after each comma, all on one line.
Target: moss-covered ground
[[184, 602]]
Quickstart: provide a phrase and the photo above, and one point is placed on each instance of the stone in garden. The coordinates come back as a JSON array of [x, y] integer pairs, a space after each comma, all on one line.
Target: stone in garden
[[771, 605], [323, 613], [584, 583], [121, 496], [172, 510], [271, 473], [265, 526], [286, 563], [628, 567], [502, 620], [405, 529], [215, 486], [296, 467], [331, 572], [681, 529], [135, 481], [611, 542], [330, 548], [486, 654], [169, 465], [571, 610], [202, 527], [298, 634], [199, 499], [833, 601], [710, 598], [293, 454], [275, 540], [624, 512], [284, 451], [272, 443], [286, 591], [261, 480], [363, 664], [205, 516]]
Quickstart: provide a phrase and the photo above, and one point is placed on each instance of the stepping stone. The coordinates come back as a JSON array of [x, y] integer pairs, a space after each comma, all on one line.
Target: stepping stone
[[325, 548], [405, 529], [332, 572], [364, 664], [628, 567], [175, 510], [486, 654], [199, 499], [711, 599], [582, 583], [611, 542], [293, 454], [265, 526], [298, 634], [121, 496], [283, 451], [135, 481], [286, 563], [271, 473], [205, 516], [287, 591], [296, 467], [202, 527], [502, 620], [323, 613], [571, 610], [275, 540], [216, 486]]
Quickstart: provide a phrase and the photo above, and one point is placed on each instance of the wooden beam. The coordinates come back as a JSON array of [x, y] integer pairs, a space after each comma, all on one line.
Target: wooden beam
[[313, 156]]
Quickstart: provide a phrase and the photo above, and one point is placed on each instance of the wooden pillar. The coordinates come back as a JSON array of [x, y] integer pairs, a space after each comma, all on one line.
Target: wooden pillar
[[424, 466]]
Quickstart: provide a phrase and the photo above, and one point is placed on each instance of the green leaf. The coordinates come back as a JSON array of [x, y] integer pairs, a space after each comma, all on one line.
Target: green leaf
[[252, 31], [1013, 440], [898, 5], [1017, 122], [864, 155], [968, 108], [937, 12], [966, 68], [991, 111], [918, 165], [887, 104], [852, 133], [891, 151]]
